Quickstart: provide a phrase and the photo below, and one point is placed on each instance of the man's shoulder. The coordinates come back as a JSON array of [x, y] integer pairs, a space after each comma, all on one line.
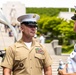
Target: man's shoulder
[[13, 45]]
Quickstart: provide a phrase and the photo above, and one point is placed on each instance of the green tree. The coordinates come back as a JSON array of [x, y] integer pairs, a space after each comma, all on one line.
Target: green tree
[[49, 24]]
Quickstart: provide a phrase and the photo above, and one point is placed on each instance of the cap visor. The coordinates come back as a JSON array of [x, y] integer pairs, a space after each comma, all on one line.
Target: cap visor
[[30, 23], [73, 18]]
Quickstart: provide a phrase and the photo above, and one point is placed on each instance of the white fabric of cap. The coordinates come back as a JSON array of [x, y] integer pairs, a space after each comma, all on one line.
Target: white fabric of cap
[[73, 54], [28, 17], [34, 20]]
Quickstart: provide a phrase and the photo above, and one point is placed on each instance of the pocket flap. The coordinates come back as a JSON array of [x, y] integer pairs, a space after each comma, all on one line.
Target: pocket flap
[[21, 57], [40, 56]]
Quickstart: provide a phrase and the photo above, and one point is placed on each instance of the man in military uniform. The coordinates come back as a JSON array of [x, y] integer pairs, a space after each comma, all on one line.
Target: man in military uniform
[[27, 56], [74, 18]]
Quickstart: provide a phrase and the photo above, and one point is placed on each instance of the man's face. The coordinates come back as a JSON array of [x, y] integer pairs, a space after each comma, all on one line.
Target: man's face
[[28, 30]]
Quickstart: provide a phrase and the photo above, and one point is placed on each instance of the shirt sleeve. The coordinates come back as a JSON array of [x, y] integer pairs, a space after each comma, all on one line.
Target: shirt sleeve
[[48, 59], [8, 59]]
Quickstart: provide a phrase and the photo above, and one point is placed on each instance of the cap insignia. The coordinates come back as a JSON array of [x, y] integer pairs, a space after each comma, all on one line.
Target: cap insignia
[[34, 16]]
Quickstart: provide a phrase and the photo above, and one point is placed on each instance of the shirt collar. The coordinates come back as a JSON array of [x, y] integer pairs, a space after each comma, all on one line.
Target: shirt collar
[[21, 43]]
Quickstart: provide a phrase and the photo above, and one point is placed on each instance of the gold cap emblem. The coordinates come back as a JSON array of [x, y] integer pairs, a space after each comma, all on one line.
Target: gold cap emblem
[[34, 16]]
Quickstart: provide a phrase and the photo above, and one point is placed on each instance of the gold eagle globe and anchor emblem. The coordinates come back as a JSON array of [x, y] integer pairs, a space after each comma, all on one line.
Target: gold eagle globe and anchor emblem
[[34, 16]]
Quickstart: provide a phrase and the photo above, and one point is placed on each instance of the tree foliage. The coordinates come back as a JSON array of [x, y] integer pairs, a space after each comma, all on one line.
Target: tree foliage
[[59, 28]]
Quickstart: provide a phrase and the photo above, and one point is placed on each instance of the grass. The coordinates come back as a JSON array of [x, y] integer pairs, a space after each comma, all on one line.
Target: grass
[[67, 49]]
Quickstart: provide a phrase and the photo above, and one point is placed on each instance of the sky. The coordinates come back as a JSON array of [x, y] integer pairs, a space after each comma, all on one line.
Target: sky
[[45, 3]]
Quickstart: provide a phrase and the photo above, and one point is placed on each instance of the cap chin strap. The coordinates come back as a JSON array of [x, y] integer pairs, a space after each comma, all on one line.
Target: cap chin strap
[[30, 23]]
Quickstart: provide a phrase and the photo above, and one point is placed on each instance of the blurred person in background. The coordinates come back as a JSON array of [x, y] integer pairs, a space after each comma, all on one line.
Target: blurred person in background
[[42, 39]]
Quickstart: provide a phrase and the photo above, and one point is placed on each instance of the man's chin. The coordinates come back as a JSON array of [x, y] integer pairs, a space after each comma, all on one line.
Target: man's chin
[[32, 35]]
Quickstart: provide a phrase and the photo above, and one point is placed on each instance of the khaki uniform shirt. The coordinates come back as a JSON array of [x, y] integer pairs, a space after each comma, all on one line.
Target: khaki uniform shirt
[[24, 61]]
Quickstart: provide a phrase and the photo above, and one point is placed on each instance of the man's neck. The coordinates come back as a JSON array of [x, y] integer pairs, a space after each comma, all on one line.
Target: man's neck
[[27, 39]]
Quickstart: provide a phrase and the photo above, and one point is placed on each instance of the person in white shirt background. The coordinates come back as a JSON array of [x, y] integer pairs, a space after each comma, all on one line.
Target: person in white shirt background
[[42, 39]]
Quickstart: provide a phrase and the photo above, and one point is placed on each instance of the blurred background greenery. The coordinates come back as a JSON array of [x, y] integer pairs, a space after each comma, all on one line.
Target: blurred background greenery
[[54, 27]]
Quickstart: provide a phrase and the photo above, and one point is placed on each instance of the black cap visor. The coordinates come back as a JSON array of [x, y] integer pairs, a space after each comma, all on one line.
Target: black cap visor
[[73, 18], [30, 24]]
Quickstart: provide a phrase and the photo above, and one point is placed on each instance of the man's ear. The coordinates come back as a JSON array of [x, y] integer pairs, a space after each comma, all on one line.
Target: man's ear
[[21, 27]]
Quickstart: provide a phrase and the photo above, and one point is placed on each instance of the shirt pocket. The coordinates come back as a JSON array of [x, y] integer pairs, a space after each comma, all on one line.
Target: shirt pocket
[[39, 60], [20, 62]]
